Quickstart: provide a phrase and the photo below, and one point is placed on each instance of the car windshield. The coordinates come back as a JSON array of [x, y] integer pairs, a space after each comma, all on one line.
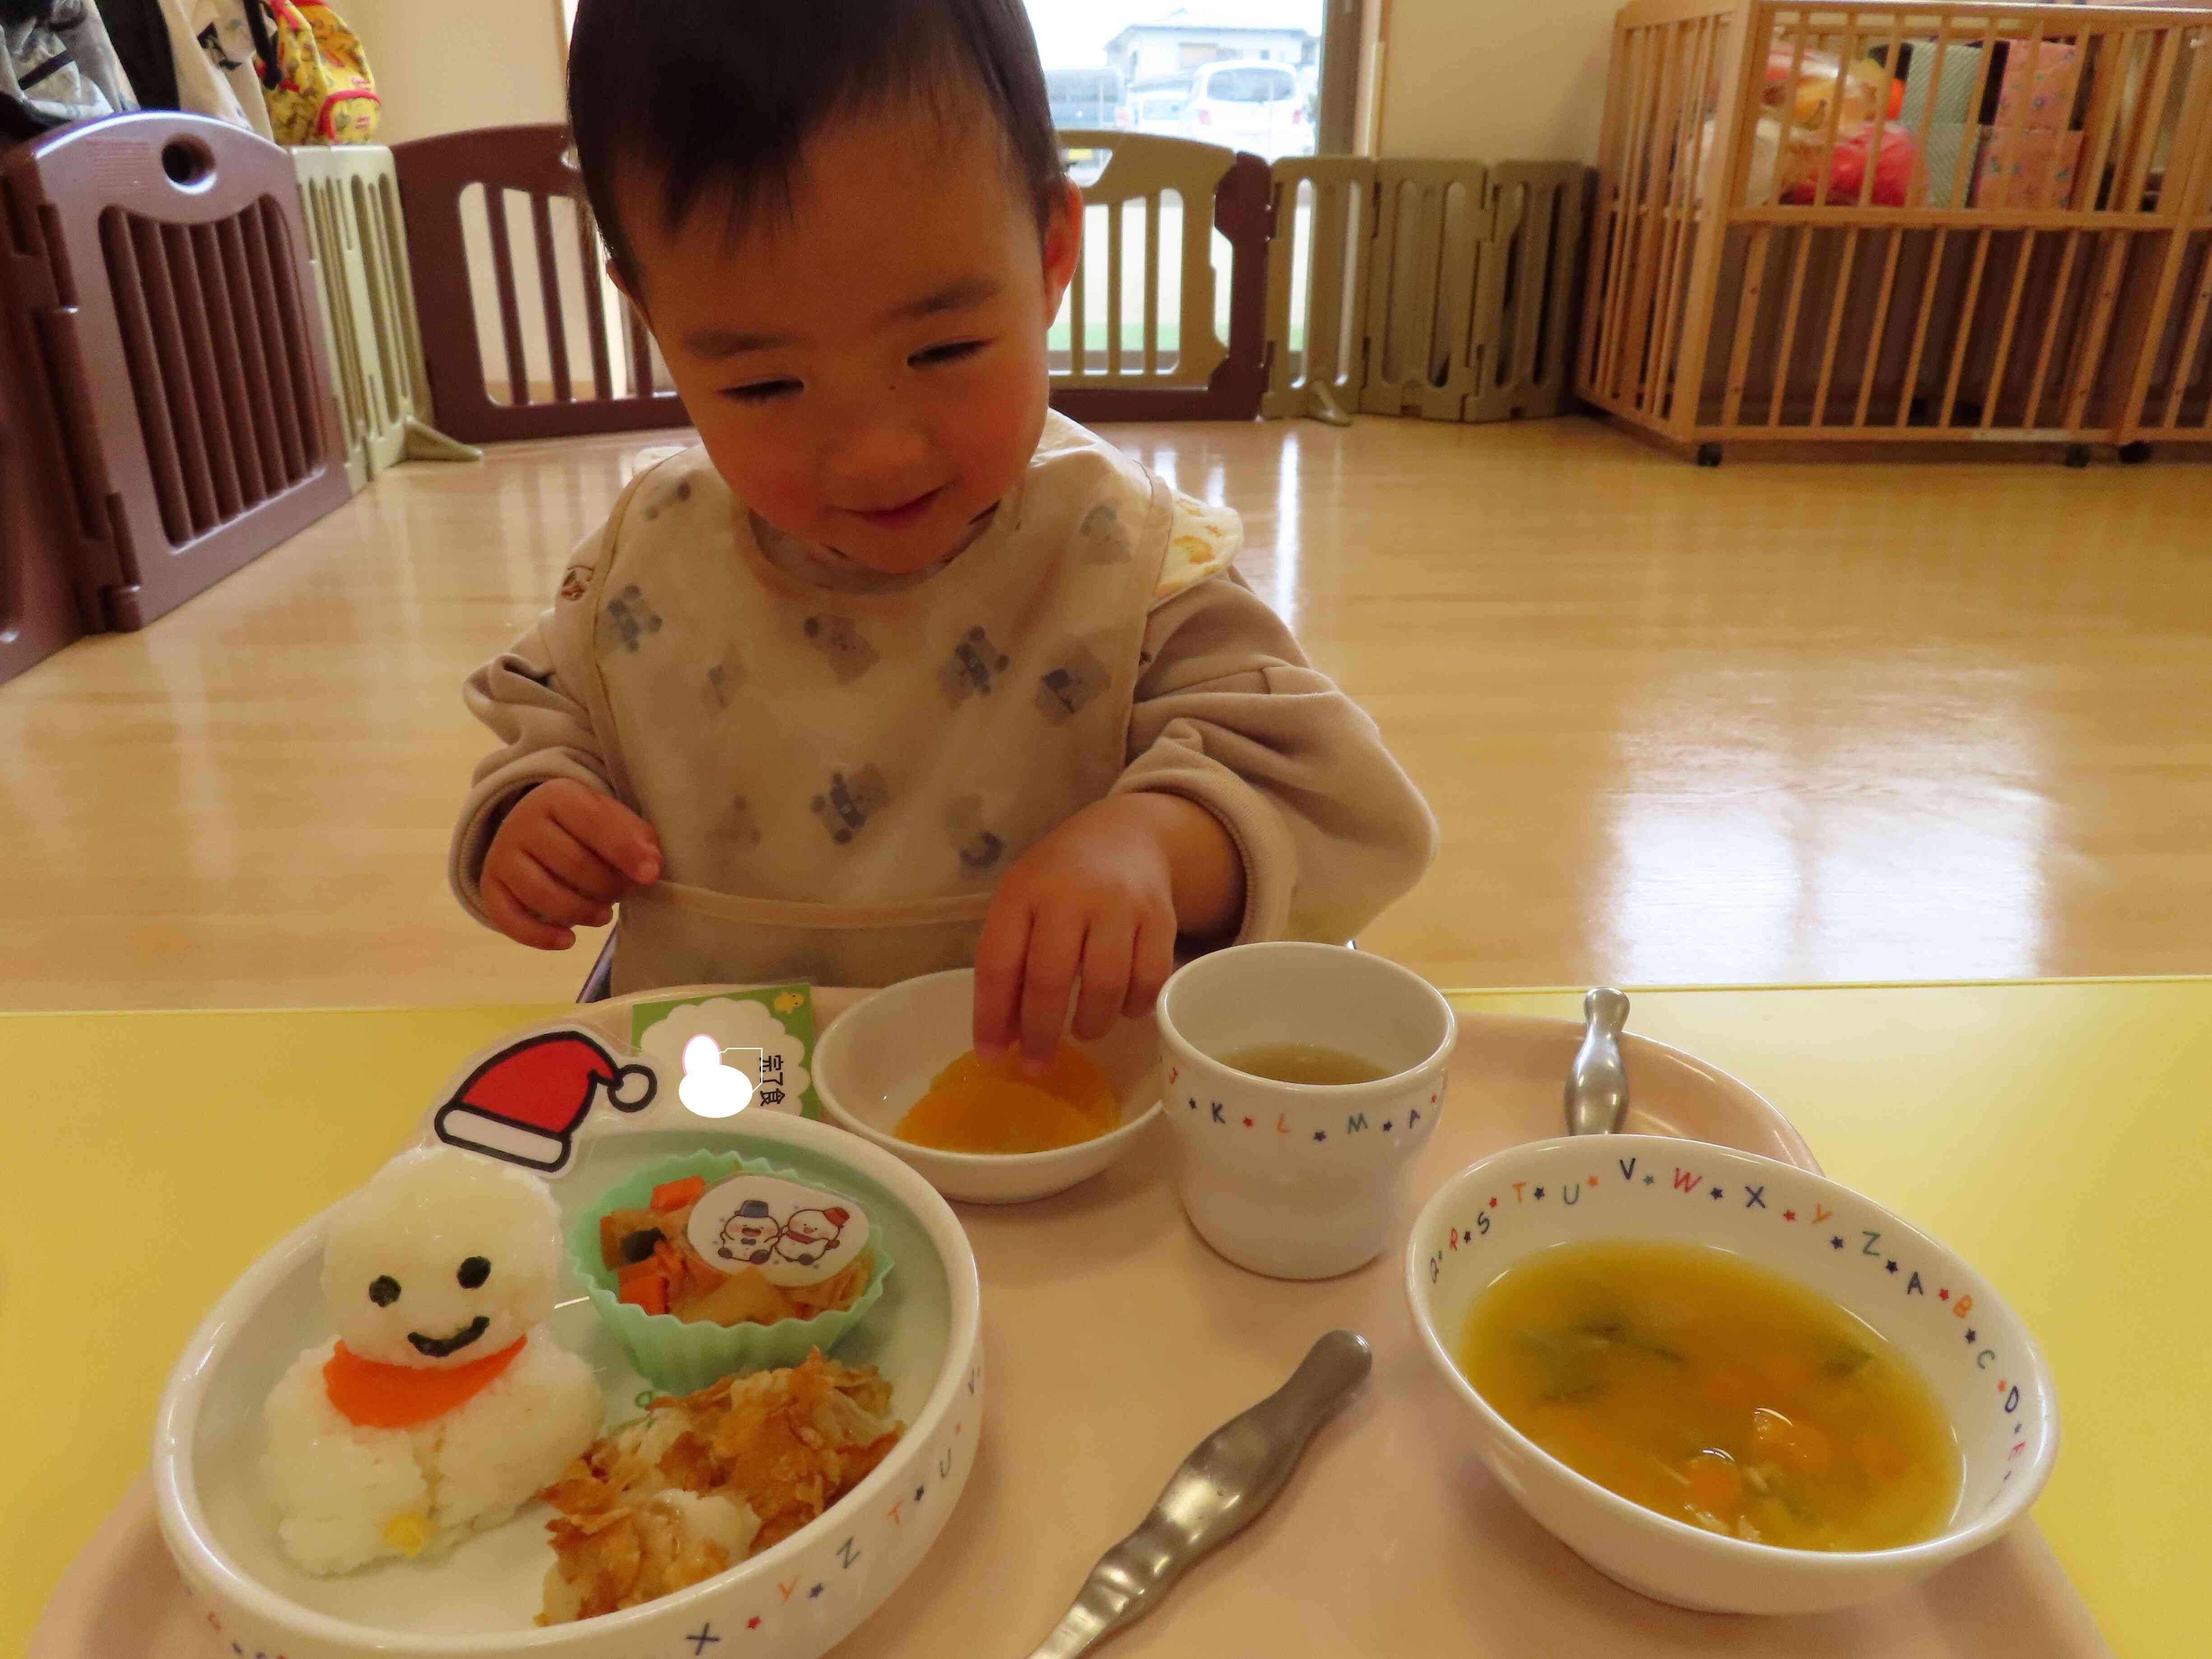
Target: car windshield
[[1250, 86]]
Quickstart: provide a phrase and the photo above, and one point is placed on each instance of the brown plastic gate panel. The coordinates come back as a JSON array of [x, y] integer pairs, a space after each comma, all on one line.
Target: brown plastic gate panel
[[160, 263], [39, 612], [530, 162], [1140, 167], [1316, 336], [1208, 379], [351, 197], [1527, 280], [621, 388], [1441, 288]]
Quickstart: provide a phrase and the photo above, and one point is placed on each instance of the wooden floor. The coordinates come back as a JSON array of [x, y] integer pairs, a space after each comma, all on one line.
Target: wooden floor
[[1774, 723]]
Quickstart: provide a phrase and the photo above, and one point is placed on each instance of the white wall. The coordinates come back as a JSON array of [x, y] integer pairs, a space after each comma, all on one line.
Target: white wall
[[1494, 80], [442, 65]]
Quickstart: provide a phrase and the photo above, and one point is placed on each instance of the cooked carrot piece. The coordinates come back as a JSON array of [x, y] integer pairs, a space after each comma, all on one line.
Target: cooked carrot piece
[[644, 1285], [1716, 1485], [675, 1194], [1798, 1447]]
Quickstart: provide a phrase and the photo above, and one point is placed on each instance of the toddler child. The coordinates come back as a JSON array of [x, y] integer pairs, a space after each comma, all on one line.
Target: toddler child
[[898, 670]]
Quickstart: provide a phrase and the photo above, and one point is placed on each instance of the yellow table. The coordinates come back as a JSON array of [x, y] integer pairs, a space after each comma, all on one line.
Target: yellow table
[[2059, 1135]]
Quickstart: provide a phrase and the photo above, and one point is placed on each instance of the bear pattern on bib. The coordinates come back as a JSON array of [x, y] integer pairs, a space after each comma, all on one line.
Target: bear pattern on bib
[[794, 743]]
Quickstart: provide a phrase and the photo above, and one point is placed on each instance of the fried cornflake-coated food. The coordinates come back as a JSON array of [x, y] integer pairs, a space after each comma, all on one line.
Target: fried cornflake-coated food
[[703, 1480]]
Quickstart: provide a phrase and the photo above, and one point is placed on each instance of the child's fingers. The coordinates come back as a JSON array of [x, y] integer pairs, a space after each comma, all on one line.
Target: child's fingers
[[574, 864], [541, 892], [515, 920], [1048, 975], [1151, 963], [1107, 949], [609, 829], [998, 955]]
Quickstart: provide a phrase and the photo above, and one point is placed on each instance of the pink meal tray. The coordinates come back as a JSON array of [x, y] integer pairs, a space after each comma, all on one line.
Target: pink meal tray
[[1116, 1340]]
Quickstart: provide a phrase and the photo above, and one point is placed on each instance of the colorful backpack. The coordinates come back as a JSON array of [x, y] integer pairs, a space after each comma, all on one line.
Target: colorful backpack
[[315, 77]]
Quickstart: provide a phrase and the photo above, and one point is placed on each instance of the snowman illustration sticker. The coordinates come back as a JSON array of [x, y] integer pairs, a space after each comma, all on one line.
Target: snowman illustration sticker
[[750, 1235], [793, 1234]]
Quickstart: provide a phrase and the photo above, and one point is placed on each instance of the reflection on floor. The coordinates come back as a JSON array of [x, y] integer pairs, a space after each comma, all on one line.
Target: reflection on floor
[[1775, 723]]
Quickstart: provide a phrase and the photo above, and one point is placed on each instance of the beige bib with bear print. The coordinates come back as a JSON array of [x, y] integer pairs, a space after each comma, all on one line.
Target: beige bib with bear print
[[837, 778]]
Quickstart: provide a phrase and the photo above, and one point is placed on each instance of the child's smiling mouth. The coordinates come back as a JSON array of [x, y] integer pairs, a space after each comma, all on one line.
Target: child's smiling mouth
[[900, 517]]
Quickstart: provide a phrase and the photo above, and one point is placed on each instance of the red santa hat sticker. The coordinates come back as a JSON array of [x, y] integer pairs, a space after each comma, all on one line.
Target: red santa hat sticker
[[524, 1102]]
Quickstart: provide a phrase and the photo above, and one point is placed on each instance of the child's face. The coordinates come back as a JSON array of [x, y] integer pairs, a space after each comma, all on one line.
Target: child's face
[[868, 372]]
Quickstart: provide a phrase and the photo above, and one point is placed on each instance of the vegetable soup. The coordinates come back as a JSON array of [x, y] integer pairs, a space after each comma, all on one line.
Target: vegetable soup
[[1716, 1392]]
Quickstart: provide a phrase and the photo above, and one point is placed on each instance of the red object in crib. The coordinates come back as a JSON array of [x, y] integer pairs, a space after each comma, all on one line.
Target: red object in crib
[[1893, 169]]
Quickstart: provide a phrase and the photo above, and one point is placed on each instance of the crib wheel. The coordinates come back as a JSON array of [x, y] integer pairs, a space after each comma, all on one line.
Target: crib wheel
[[2077, 456], [1709, 454], [2135, 454]]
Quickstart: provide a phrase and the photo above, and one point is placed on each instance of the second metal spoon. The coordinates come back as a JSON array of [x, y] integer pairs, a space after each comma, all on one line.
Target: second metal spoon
[[1598, 1087]]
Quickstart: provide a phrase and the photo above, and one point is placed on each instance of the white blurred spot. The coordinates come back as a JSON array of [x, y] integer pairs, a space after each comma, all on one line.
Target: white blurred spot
[[709, 1088]]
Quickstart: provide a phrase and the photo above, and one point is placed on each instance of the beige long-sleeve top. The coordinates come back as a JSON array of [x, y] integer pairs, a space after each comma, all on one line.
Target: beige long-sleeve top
[[838, 777]]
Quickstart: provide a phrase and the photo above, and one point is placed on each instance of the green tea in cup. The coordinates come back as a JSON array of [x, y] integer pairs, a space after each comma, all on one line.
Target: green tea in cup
[[1302, 1062]]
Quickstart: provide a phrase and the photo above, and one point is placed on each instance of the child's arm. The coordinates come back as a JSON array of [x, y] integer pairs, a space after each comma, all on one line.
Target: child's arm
[[1251, 778], [543, 846], [1328, 829]]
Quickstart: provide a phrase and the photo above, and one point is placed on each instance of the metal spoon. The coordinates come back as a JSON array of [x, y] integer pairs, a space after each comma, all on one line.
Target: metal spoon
[[1598, 1087], [1234, 1475]]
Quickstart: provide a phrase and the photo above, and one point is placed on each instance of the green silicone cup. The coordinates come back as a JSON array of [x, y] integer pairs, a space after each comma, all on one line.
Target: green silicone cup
[[681, 1358]]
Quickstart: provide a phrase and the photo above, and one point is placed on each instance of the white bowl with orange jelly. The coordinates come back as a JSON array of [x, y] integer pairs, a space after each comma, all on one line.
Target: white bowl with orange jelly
[[879, 1060], [1899, 1299]]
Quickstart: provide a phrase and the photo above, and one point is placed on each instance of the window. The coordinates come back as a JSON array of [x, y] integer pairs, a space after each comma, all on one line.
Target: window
[[1250, 86], [1306, 51], [1083, 97]]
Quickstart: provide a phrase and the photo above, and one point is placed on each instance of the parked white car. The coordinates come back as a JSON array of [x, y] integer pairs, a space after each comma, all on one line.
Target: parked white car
[[1159, 112], [1249, 105]]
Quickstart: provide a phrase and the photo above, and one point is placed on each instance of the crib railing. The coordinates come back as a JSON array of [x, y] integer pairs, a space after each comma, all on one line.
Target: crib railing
[[1884, 222]]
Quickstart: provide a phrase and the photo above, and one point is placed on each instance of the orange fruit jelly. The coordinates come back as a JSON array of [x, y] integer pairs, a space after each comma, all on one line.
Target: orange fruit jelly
[[976, 1105]]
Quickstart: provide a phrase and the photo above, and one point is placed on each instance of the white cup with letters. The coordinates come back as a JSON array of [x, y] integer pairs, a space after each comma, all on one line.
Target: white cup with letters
[[1300, 1180]]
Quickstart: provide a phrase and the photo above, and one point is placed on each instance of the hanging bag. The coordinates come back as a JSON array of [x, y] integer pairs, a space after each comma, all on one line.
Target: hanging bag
[[213, 46], [315, 75], [56, 66]]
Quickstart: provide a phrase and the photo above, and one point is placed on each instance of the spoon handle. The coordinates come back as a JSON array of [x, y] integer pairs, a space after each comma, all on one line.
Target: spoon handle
[[1235, 1472], [1598, 1087]]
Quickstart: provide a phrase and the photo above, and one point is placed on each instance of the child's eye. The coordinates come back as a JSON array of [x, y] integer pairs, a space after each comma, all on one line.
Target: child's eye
[[760, 392], [951, 352]]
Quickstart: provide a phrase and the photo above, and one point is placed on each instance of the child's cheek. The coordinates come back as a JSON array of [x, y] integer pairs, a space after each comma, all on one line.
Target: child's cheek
[[764, 471], [998, 424]]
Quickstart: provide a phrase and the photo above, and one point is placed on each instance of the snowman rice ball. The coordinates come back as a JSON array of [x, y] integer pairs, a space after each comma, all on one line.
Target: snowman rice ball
[[445, 1403]]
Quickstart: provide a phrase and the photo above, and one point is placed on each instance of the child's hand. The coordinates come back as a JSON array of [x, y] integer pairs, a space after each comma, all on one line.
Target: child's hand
[[564, 856], [1101, 901]]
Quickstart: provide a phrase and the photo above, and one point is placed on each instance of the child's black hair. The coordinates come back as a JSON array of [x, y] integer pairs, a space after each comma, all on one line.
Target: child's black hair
[[718, 98]]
